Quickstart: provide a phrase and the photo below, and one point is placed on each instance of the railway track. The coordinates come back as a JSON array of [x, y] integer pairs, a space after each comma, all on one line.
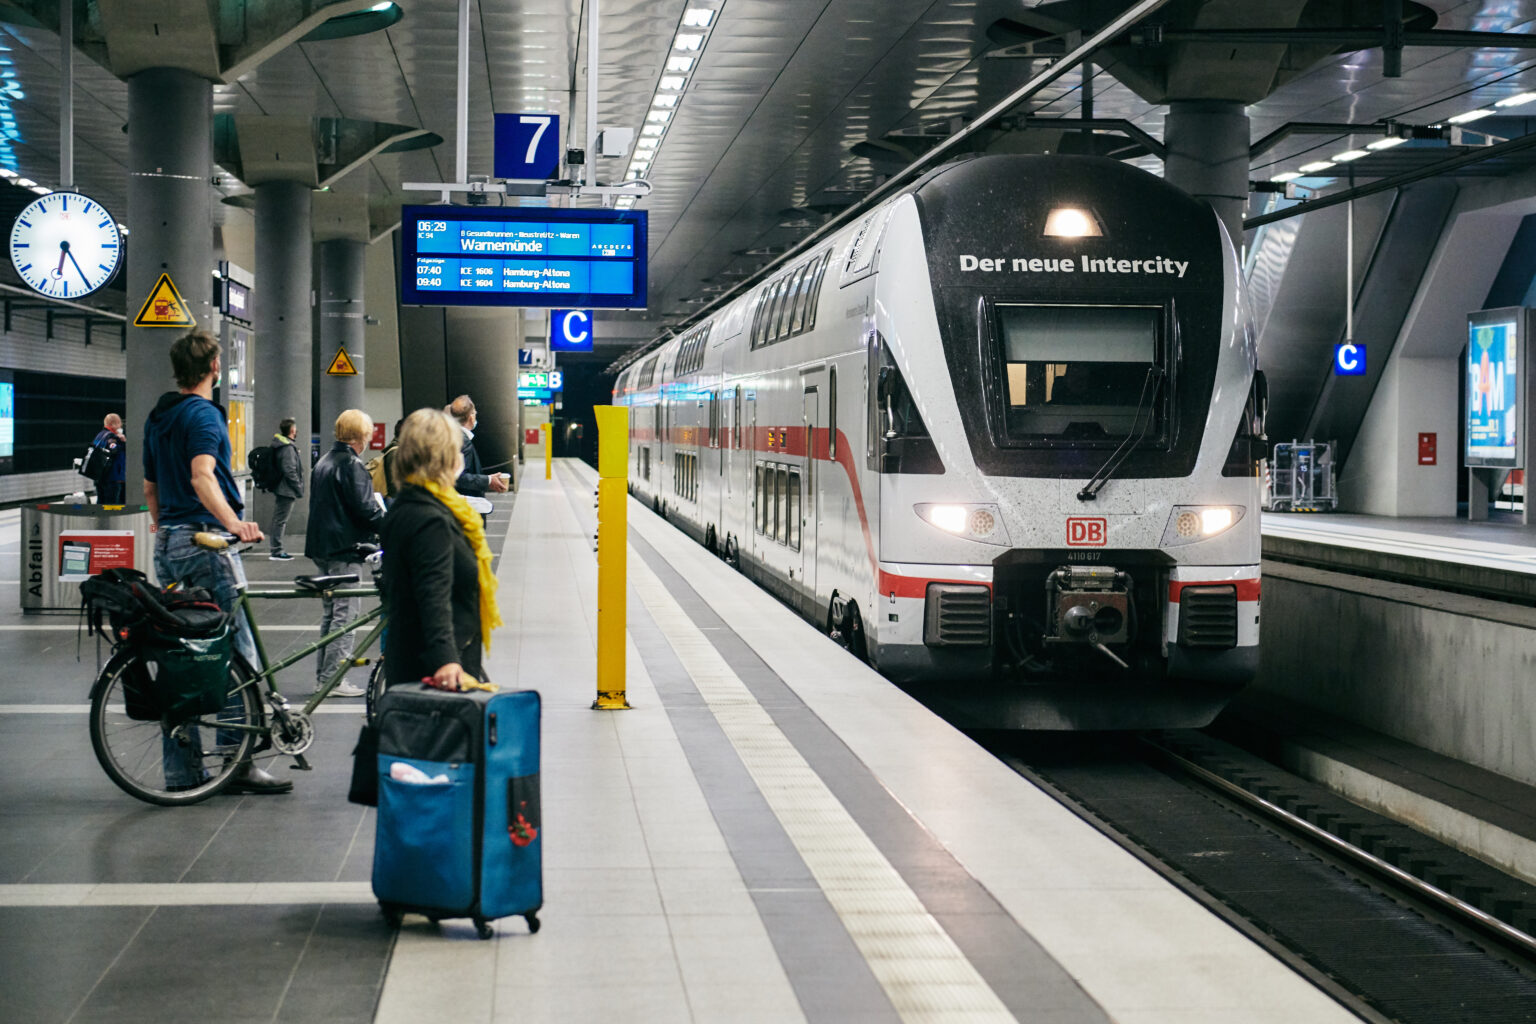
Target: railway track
[[1396, 926]]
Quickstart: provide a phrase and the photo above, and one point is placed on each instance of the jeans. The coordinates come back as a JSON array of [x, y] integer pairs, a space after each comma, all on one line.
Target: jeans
[[179, 560], [336, 612], [280, 520], [111, 492]]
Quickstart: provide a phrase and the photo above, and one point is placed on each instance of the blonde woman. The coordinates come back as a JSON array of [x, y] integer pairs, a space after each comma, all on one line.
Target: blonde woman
[[438, 584]]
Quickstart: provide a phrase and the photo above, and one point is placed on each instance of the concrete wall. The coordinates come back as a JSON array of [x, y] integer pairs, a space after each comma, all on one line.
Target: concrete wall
[[1383, 476], [1419, 390], [1442, 671], [381, 337]]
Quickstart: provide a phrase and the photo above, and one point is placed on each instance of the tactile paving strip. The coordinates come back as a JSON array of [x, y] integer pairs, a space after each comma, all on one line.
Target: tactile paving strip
[[922, 971]]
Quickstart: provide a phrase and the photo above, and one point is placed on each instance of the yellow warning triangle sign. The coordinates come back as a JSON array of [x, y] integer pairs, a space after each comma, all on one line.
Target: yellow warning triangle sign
[[164, 307], [342, 366]]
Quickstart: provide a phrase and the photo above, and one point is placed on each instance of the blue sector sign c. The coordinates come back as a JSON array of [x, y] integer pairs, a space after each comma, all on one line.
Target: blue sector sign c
[[527, 145], [570, 330], [1348, 360]]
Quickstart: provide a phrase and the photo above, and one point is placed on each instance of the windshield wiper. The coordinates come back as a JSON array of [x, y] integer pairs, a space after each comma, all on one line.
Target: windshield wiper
[[1149, 389]]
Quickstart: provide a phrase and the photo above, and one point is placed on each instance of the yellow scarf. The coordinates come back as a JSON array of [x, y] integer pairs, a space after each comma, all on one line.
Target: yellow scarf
[[474, 531]]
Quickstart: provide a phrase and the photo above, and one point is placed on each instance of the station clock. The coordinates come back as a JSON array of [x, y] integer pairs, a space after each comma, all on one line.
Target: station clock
[[65, 245]]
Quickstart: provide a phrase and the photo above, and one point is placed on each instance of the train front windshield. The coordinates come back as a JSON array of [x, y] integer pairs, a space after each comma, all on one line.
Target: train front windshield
[[1079, 373]]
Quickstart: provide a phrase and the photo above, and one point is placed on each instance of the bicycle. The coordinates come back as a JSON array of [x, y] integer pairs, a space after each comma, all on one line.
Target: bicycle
[[135, 751]]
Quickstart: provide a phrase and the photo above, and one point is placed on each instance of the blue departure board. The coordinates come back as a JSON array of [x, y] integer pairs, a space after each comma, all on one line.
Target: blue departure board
[[479, 256]]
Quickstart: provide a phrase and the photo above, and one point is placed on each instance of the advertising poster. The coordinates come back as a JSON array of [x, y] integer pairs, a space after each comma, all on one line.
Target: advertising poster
[[84, 553], [1493, 387]]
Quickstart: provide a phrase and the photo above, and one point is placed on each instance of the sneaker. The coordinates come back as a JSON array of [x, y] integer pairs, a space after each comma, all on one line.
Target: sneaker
[[281, 556], [348, 689]]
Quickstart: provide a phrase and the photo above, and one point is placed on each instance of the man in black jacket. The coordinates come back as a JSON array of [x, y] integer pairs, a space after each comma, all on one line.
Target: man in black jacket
[[473, 481], [290, 483], [342, 513]]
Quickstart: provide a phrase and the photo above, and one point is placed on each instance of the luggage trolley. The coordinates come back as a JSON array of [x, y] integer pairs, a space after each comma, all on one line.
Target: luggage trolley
[[1300, 478]]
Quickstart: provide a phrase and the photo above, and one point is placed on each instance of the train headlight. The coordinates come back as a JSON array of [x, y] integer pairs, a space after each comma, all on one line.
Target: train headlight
[[1190, 523], [973, 522], [1071, 222]]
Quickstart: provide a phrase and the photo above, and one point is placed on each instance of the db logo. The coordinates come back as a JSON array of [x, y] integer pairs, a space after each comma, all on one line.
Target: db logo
[[1085, 532]]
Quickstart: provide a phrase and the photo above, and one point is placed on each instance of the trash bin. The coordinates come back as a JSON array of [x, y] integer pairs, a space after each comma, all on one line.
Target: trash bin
[[63, 544]]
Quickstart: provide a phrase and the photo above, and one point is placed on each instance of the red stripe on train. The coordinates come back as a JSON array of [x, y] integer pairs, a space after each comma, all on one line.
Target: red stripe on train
[[916, 586]]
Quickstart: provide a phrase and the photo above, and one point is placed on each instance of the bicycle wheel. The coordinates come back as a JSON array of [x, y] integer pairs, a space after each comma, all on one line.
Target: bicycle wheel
[[375, 689], [137, 754]]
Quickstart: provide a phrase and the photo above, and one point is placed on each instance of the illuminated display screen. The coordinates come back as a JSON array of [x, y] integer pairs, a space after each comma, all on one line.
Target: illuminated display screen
[[7, 419], [464, 255], [1493, 374]]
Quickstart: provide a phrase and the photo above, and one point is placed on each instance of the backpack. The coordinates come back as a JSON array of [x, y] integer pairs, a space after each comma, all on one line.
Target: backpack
[[98, 458], [266, 474], [377, 475], [183, 633]]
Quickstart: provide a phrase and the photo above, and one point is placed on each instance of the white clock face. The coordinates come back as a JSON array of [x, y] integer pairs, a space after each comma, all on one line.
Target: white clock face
[[65, 245]]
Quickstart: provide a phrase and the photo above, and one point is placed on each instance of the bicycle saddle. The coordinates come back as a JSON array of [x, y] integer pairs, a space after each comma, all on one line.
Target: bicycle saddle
[[323, 583]]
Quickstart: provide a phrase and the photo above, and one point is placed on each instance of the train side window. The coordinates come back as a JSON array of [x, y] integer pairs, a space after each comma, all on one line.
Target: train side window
[[794, 510], [791, 297], [831, 415], [780, 303], [757, 317], [770, 301], [813, 298], [797, 311], [758, 504], [781, 503]]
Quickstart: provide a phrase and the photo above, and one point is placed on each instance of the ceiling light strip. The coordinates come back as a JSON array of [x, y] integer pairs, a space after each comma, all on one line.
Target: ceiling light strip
[[688, 43]]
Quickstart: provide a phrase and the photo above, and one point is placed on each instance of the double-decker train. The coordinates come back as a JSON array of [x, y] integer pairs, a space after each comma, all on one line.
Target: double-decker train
[[999, 435]]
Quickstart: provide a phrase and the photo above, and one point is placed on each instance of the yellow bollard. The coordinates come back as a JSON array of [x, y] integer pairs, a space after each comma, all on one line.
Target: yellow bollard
[[612, 554], [549, 459]]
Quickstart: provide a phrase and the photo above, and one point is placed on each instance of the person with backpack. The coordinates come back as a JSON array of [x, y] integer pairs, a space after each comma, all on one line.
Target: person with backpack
[[189, 486], [106, 463], [285, 479]]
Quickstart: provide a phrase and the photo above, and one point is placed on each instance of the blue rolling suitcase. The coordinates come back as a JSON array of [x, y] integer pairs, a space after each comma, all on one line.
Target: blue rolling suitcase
[[458, 831]]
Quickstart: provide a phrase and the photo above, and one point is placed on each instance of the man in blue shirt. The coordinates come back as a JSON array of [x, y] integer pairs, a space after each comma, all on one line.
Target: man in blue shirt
[[189, 487]]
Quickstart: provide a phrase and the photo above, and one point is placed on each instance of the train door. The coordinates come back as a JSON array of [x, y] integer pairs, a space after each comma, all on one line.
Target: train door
[[803, 494], [752, 536]]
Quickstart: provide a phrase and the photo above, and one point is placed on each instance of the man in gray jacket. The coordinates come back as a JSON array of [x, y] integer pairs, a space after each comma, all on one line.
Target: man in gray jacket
[[290, 485]]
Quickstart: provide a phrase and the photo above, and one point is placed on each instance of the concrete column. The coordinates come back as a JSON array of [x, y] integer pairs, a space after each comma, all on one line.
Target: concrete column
[[170, 161], [284, 359], [480, 356], [1207, 144], [341, 326]]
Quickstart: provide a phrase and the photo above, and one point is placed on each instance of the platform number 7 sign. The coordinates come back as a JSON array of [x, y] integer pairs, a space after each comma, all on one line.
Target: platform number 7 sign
[[527, 146]]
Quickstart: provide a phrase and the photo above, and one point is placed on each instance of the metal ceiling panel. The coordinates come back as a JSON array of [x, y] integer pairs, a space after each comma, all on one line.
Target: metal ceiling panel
[[758, 151]]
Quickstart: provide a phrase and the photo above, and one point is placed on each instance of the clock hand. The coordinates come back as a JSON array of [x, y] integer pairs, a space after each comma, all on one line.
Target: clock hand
[[63, 251], [77, 267]]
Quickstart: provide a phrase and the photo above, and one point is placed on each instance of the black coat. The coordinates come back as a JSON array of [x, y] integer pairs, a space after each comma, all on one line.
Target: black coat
[[473, 481], [291, 482], [431, 590], [342, 511]]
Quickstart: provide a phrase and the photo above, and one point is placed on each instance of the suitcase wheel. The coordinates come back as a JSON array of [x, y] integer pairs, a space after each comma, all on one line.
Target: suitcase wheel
[[393, 915], [483, 928], [533, 923]]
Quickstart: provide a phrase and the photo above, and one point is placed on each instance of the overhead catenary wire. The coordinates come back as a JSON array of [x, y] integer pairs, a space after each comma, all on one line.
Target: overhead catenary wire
[[929, 159]]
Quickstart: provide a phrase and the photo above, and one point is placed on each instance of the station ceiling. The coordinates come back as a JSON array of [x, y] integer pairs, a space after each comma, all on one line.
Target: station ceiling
[[792, 109]]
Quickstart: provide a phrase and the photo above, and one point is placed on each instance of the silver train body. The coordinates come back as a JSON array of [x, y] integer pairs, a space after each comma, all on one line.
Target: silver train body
[[901, 435]]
